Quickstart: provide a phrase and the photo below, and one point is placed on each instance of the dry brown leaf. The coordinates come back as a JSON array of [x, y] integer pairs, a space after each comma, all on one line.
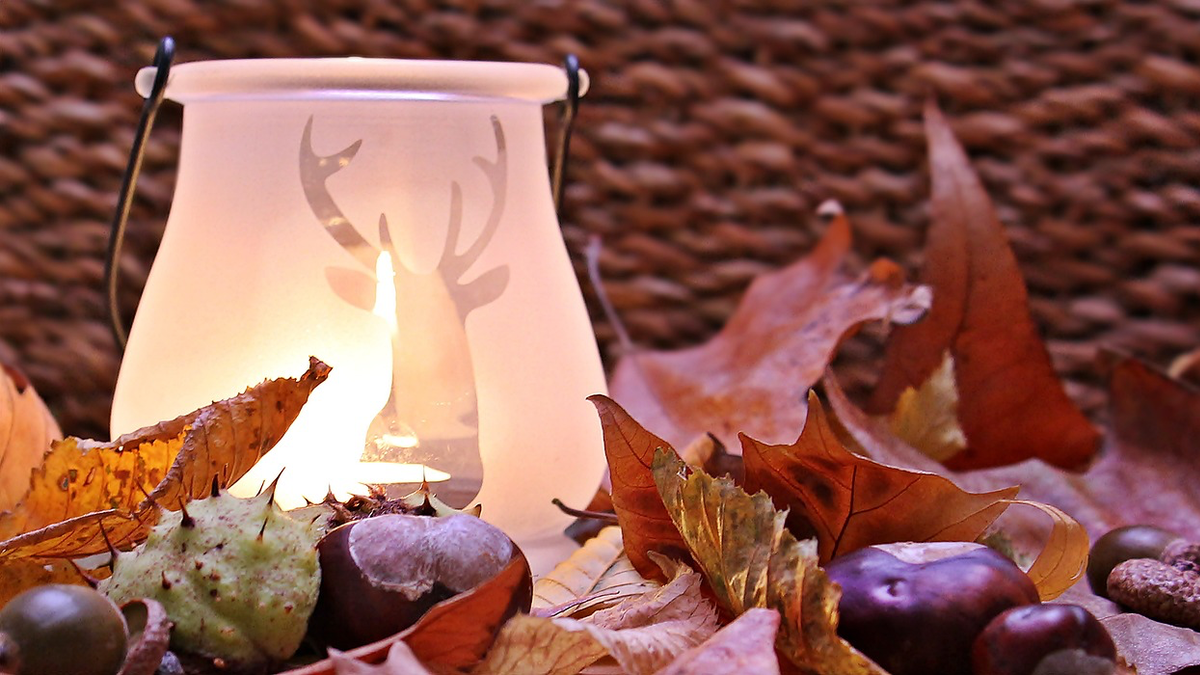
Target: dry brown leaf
[[86, 490], [1011, 404], [847, 501], [1147, 473], [26, 430], [751, 560], [1061, 553], [597, 575], [455, 633], [746, 645], [531, 645], [645, 523], [752, 376], [642, 633], [400, 661]]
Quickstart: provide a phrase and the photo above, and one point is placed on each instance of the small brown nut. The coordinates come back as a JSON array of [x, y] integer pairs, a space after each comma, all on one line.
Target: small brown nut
[[1157, 590]]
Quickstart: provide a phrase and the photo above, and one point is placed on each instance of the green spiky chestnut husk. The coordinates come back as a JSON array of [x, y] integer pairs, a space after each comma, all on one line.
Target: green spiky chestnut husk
[[238, 577]]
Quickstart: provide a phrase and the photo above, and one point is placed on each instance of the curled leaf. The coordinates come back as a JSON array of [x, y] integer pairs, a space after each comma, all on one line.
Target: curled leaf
[[751, 560], [848, 502], [1063, 558], [26, 431], [645, 523], [597, 575]]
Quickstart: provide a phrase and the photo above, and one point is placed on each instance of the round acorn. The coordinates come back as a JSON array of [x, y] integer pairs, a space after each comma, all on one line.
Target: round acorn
[[916, 608], [45, 630]]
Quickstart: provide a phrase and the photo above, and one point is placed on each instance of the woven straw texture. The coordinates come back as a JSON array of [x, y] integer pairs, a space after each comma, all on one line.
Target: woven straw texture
[[713, 130]]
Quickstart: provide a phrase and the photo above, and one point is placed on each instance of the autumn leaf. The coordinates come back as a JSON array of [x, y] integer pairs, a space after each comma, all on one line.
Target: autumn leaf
[[595, 576], [455, 633], [642, 633], [751, 377], [400, 661], [1011, 404], [81, 477], [645, 523], [22, 574], [85, 490], [1147, 473], [750, 560], [848, 501], [26, 431], [228, 437], [746, 645], [927, 417], [1060, 554]]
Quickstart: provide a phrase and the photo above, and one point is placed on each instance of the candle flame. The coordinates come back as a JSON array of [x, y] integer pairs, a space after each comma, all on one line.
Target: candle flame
[[385, 291]]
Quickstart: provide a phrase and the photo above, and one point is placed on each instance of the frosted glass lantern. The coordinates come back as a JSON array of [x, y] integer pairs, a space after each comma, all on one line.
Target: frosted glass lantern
[[394, 219]]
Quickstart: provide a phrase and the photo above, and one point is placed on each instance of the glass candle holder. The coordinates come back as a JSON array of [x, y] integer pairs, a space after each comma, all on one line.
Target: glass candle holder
[[394, 219]]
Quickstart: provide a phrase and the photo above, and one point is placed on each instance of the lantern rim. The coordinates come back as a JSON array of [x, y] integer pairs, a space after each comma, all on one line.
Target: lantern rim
[[356, 78]]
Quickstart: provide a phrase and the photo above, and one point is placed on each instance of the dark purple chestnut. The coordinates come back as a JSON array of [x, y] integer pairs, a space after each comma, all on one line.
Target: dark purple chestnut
[[380, 575], [1121, 544], [915, 609], [1018, 639]]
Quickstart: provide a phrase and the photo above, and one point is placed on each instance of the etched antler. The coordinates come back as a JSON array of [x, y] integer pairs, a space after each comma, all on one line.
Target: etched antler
[[452, 266], [314, 170]]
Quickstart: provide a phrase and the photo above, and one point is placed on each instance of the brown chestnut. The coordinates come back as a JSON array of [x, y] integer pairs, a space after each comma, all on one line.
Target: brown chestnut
[[1124, 543], [1018, 639], [379, 575], [915, 609]]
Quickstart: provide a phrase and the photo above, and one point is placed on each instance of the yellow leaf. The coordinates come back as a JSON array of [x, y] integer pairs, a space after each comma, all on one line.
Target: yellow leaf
[[79, 477], [26, 431], [751, 560], [597, 575], [18, 575], [86, 491], [1063, 559], [927, 417]]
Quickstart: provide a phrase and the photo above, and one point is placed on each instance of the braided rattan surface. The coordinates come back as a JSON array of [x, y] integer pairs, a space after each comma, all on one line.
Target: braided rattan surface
[[712, 131]]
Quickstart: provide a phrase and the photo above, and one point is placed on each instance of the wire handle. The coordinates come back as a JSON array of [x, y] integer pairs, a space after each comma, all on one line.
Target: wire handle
[[566, 124], [163, 57]]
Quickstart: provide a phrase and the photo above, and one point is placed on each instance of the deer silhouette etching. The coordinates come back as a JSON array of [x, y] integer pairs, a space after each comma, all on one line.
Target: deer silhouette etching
[[431, 416]]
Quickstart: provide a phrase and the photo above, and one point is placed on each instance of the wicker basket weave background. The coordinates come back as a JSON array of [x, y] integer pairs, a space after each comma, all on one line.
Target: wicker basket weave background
[[712, 131]]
